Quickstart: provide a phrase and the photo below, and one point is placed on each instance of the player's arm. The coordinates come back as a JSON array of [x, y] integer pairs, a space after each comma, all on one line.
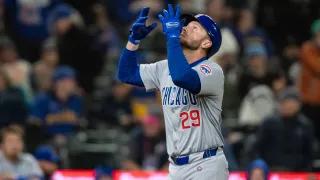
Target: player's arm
[[128, 70], [181, 73]]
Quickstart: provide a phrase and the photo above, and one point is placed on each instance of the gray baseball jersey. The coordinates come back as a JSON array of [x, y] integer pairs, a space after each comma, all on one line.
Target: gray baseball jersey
[[192, 122]]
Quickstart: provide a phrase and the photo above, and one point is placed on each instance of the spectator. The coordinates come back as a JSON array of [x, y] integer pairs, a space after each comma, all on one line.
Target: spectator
[[116, 108], [44, 68], [13, 162], [279, 83], [188, 6], [285, 139], [227, 58], [250, 33], [147, 147], [216, 10], [107, 35], [85, 9], [257, 104], [27, 23], [121, 12], [229, 150], [71, 38], [290, 60], [59, 110], [19, 70], [13, 106], [103, 173], [309, 78], [258, 170], [47, 159], [281, 24], [258, 72]]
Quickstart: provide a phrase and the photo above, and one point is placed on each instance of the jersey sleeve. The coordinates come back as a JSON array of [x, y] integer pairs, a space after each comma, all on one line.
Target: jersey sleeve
[[211, 79], [151, 74]]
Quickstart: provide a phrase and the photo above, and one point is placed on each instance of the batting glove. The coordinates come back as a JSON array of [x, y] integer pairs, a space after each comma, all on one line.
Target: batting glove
[[171, 22], [139, 30]]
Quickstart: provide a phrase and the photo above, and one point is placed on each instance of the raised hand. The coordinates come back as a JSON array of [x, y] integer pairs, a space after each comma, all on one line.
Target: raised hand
[[171, 22], [139, 30]]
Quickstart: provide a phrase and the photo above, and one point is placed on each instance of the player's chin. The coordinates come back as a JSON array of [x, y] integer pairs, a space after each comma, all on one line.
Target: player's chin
[[183, 40]]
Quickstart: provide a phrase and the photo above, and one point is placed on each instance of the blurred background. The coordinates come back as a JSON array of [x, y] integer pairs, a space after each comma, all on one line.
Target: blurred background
[[61, 106]]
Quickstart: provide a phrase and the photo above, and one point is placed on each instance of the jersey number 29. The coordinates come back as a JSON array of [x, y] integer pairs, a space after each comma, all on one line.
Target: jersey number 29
[[193, 116]]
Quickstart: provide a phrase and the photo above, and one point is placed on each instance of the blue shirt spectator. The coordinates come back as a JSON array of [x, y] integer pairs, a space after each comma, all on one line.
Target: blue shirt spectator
[[48, 160], [258, 170], [286, 139], [147, 147], [14, 163], [103, 173], [29, 18], [58, 111], [250, 33]]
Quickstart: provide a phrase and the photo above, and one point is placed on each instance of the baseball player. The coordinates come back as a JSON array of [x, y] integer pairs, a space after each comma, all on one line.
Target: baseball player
[[191, 88]]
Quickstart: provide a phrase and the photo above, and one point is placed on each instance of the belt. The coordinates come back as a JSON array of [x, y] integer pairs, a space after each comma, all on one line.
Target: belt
[[185, 159]]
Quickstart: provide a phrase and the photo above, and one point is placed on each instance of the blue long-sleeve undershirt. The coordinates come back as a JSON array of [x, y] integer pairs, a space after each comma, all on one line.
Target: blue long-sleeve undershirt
[[128, 70], [181, 72]]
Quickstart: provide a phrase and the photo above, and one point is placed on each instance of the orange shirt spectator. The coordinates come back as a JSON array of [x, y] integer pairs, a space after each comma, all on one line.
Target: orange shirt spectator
[[310, 73], [309, 82]]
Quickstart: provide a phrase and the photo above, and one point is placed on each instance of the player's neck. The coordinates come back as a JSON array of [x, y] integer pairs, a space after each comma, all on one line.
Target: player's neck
[[192, 56]]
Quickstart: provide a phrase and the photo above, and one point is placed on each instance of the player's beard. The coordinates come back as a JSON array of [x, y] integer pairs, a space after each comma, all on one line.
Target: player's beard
[[192, 45]]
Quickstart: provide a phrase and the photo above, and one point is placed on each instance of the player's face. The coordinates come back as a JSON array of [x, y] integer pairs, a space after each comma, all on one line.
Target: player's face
[[257, 174], [194, 36], [12, 145], [289, 107]]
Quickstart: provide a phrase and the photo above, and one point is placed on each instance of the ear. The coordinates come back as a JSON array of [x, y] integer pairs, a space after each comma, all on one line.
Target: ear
[[206, 44]]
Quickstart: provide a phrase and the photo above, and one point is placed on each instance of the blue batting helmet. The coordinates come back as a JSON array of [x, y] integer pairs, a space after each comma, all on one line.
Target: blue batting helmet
[[210, 26]]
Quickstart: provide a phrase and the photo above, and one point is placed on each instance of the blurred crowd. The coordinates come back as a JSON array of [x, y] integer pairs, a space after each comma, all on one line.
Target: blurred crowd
[[61, 106]]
